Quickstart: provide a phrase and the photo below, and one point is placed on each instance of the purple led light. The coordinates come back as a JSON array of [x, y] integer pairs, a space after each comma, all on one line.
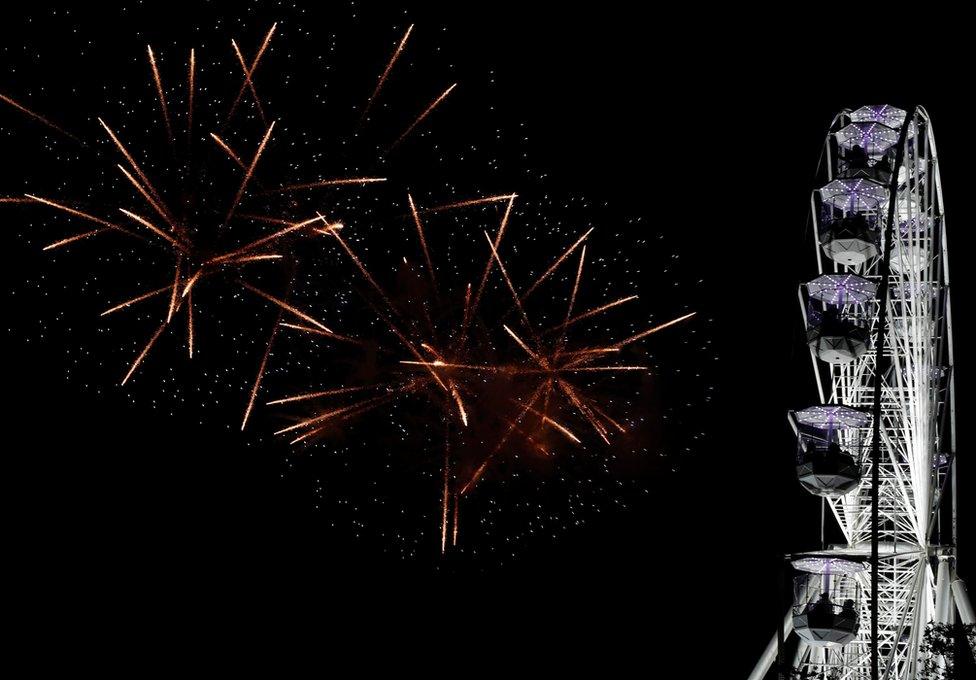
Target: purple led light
[[842, 289], [883, 113], [854, 195], [822, 564], [832, 417], [874, 138]]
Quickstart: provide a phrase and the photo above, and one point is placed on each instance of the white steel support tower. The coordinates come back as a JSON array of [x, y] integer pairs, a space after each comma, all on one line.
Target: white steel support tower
[[878, 321]]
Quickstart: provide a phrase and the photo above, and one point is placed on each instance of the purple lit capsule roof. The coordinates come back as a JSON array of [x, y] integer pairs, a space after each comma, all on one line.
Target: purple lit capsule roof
[[883, 113], [854, 195], [832, 417], [822, 564], [842, 289], [874, 138]]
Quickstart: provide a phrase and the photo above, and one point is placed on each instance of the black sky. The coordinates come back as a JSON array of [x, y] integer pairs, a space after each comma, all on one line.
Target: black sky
[[706, 125]]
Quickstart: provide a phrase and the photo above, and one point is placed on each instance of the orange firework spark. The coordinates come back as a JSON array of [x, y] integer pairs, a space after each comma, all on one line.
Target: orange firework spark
[[249, 173], [189, 323], [261, 369], [144, 352], [528, 350], [446, 498], [423, 241], [132, 161], [650, 331], [449, 364], [327, 183], [36, 116], [249, 72], [362, 268], [572, 301], [330, 415], [470, 202], [190, 282], [72, 239], [562, 428], [319, 331], [385, 74], [295, 226], [161, 92], [285, 306], [182, 247], [249, 82], [267, 219], [473, 307], [597, 310], [513, 426], [507, 278], [323, 393], [426, 112], [149, 199], [139, 298], [174, 296], [190, 90], [555, 265], [230, 152], [77, 213]]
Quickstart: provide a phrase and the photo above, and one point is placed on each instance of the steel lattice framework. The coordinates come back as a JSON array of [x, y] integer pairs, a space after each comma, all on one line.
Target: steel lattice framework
[[917, 426]]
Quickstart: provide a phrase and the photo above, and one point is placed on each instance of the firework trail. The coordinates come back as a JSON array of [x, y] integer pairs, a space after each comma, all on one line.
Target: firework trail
[[249, 173], [261, 370], [144, 352], [385, 75], [327, 183], [38, 117], [472, 308], [596, 310], [72, 239], [190, 93], [471, 202], [161, 92], [426, 112], [248, 82], [230, 152], [423, 243], [555, 265]]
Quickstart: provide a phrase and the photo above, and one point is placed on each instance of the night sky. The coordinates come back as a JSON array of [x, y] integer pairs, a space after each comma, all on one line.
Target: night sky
[[690, 145]]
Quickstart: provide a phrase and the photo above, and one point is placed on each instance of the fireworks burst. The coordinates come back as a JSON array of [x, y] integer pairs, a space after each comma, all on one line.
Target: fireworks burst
[[201, 205], [493, 388], [497, 365]]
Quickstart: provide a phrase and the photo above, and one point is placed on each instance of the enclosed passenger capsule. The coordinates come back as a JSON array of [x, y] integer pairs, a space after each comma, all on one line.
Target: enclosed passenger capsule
[[850, 219], [830, 449], [827, 599], [837, 327]]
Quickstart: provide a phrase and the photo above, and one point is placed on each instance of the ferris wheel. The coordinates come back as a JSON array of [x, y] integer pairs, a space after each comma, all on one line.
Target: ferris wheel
[[878, 445]]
